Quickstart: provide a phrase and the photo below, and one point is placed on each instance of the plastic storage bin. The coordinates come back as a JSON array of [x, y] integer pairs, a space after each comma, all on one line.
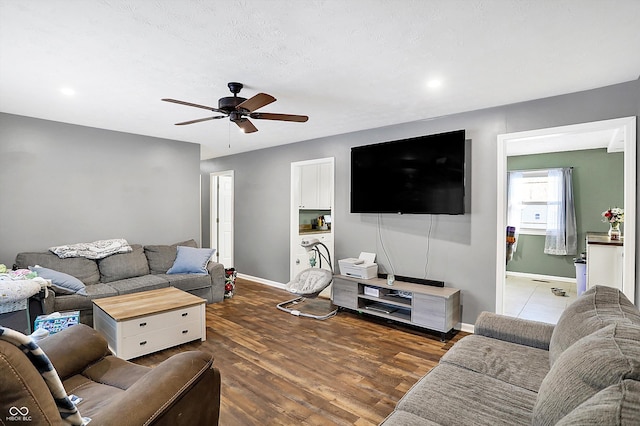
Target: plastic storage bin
[[581, 275]]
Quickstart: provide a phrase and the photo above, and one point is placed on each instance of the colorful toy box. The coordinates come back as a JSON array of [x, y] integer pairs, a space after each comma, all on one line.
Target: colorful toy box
[[54, 323]]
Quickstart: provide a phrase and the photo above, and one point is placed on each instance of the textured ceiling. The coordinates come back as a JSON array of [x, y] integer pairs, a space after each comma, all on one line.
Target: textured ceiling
[[348, 64]]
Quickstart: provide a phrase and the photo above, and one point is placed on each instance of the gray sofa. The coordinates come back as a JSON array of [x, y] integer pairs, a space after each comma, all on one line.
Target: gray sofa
[[144, 268], [583, 371]]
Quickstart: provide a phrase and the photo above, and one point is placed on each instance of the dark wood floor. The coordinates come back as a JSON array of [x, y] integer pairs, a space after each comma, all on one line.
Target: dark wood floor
[[279, 369]]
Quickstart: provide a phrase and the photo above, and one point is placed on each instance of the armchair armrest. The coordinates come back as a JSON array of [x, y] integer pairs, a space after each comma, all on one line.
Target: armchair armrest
[[88, 346], [515, 330], [182, 390]]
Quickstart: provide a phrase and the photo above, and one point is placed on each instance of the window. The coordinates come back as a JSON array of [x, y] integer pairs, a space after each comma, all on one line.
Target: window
[[530, 198], [541, 203]]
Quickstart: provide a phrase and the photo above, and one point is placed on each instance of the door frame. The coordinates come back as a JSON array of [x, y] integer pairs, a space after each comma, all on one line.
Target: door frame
[[213, 236], [627, 126], [294, 211]]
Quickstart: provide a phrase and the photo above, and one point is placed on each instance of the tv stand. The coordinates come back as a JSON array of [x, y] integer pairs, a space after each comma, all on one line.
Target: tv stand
[[433, 308]]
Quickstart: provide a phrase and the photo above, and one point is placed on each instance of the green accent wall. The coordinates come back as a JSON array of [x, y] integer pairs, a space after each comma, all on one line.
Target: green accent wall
[[597, 185]]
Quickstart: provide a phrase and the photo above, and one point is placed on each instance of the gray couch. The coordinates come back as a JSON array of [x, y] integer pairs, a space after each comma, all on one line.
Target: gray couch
[[144, 268], [583, 371]]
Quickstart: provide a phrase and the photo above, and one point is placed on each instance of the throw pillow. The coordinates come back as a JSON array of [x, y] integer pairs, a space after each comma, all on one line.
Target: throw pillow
[[161, 257], [595, 309], [618, 404], [191, 260], [62, 283], [595, 362]]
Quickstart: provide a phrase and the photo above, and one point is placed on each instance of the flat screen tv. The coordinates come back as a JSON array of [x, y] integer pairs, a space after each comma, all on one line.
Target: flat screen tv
[[424, 175]]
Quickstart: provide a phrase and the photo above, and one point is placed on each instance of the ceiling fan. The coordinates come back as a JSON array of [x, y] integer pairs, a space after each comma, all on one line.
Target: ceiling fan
[[239, 109]]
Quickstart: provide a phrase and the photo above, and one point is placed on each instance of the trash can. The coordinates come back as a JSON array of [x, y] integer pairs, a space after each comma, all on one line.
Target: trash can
[[581, 275]]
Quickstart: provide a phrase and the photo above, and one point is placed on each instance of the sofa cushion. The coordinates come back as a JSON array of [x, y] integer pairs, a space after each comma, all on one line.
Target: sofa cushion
[[124, 265], [616, 405], [83, 269], [62, 283], [191, 260], [161, 257], [75, 302], [593, 363], [404, 418], [519, 365], [187, 282], [136, 284], [451, 395], [595, 309]]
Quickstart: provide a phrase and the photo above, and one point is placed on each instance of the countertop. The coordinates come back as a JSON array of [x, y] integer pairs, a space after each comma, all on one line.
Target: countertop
[[314, 231], [603, 239]]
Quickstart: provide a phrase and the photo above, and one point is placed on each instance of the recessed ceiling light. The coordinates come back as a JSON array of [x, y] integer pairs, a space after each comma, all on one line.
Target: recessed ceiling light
[[68, 91], [434, 83]]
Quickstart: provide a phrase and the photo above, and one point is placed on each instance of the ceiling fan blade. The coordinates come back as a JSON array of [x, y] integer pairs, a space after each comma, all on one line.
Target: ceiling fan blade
[[279, 117], [200, 120], [175, 101], [257, 101], [246, 125]]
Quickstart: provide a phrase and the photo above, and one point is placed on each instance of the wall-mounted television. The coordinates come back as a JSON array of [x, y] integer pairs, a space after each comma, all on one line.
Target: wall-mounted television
[[423, 175]]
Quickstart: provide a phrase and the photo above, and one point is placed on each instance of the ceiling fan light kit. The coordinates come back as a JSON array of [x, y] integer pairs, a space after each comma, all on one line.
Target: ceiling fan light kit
[[240, 109]]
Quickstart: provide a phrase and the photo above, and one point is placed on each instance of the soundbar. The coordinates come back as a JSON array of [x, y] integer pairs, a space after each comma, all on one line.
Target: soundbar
[[423, 281]]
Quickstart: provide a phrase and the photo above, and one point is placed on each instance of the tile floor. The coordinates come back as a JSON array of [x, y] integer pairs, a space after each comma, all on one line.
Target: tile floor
[[532, 299]]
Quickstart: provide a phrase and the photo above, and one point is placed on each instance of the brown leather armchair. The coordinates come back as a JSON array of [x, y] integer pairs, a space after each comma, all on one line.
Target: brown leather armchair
[[183, 390]]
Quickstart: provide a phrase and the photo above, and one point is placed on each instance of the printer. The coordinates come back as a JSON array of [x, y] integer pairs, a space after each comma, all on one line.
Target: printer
[[364, 267]]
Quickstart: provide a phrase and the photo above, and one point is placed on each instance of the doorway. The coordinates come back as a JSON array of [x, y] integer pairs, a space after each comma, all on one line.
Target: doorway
[[622, 133], [312, 201], [222, 191]]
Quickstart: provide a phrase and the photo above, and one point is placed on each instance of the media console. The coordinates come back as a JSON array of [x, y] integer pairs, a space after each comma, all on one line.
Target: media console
[[433, 308]]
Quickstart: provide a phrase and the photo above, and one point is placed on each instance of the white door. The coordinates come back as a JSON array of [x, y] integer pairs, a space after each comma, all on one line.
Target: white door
[[222, 217]]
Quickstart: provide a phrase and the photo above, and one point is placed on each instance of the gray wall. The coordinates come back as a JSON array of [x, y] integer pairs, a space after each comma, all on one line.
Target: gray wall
[[598, 180], [65, 184], [459, 250]]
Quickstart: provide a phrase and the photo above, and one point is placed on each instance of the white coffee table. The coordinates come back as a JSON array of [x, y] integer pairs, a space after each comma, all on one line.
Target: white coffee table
[[137, 324]]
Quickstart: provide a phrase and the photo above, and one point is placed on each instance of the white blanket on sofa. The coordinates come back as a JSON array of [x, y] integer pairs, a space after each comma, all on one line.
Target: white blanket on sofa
[[94, 250]]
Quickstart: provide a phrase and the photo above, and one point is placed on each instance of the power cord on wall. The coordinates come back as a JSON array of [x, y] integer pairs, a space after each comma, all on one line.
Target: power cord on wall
[[426, 256], [384, 250]]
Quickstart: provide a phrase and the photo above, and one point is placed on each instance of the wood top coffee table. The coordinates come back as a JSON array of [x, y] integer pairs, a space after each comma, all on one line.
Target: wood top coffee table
[[137, 324]]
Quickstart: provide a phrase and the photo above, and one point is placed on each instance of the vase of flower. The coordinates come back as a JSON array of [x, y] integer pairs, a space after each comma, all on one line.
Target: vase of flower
[[614, 217], [614, 231]]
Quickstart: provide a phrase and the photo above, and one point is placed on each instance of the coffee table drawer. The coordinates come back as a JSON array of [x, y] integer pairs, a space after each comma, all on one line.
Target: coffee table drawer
[[156, 340], [159, 321]]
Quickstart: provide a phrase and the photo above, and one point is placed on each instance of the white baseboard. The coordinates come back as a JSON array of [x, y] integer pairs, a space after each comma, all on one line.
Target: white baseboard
[[262, 281], [541, 277], [467, 328]]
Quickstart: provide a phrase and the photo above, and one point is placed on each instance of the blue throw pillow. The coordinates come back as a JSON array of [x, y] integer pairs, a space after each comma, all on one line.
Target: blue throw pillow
[[191, 260], [62, 283]]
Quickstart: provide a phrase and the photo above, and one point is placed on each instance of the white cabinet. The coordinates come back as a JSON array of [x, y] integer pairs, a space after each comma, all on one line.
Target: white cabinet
[[605, 262], [301, 255], [312, 183], [316, 186]]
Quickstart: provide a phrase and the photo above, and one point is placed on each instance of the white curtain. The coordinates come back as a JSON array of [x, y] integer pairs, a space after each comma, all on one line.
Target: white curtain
[[561, 236], [514, 200]]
